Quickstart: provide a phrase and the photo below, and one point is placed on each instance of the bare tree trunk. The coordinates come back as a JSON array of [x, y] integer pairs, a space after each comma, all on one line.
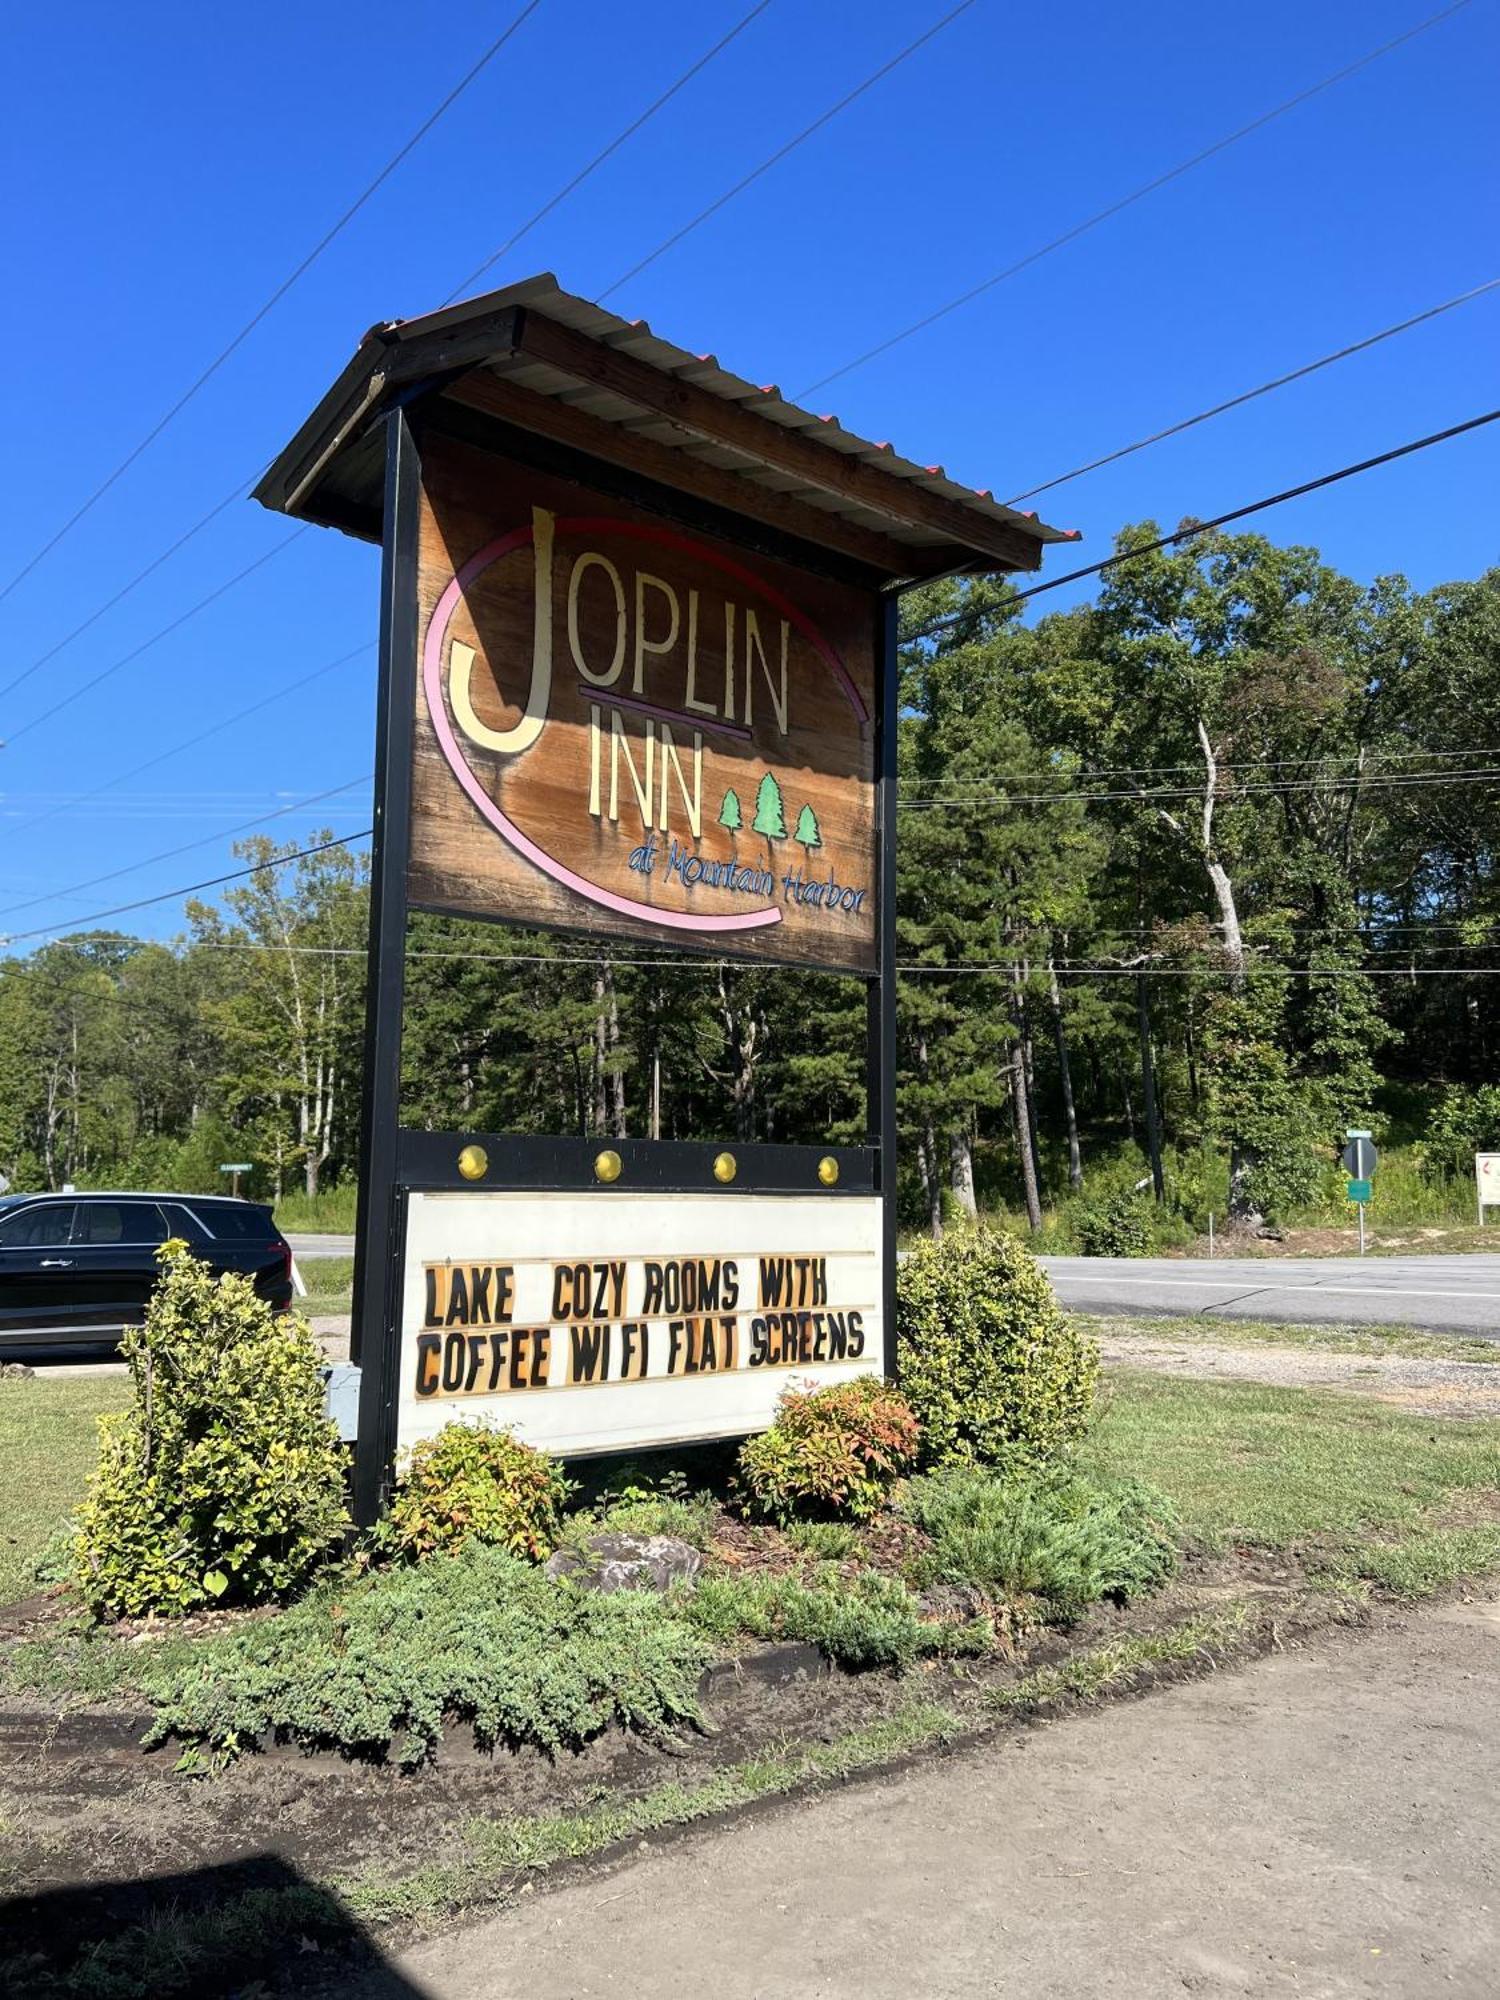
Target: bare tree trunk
[[601, 1050], [1028, 1056], [1021, 1108], [616, 1067], [961, 1172], [1148, 1087], [932, 1180], [1065, 1072], [656, 1093]]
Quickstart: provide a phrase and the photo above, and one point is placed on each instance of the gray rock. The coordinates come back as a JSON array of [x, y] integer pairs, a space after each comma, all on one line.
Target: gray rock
[[612, 1561]]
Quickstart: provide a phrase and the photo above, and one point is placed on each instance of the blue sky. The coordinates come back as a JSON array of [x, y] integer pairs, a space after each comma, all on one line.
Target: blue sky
[[168, 165]]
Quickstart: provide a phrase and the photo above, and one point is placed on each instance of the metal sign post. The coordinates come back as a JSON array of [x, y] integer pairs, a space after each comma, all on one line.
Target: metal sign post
[[1360, 1161], [638, 684]]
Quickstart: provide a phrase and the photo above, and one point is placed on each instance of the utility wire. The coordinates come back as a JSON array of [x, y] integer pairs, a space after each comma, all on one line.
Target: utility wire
[[790, 147], [275, 298], [1218, 521], [192, 742], [1067, 795], [88, 686], [1250, 395], [1137, 194], [189, 846], [170, 895], [613, 147]]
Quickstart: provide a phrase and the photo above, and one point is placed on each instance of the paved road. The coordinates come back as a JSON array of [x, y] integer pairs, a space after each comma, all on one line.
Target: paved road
[[1445, 1294], [321, 1246], [1320, 1825]]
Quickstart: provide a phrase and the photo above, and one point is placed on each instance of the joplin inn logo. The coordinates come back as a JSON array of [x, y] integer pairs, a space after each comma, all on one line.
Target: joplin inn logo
[[654, 730]]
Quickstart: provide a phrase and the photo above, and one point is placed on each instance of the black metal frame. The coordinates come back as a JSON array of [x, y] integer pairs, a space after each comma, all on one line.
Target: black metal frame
[[393, 1161]]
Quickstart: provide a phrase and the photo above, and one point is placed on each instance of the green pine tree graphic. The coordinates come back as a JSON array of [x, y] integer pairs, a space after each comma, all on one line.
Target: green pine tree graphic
[[770, 813], [807, 828], [729, 812]]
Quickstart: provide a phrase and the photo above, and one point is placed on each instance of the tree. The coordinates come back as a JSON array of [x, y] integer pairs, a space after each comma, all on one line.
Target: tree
[[770, 813], [807, 829], [729, 812]]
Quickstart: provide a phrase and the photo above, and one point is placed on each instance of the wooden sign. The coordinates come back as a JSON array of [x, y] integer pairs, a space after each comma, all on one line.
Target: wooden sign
[[626, 729], [547, 1314]]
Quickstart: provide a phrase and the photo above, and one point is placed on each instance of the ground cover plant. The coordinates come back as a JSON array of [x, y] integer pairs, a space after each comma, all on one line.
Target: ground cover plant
[[222, 1481], [381, 1662], [1060, 1535], [996, 1372]]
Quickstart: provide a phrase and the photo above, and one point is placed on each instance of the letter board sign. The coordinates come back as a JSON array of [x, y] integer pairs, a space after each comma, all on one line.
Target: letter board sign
[[635, 1320]]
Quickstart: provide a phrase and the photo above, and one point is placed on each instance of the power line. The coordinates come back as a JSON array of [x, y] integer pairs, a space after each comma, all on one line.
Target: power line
[[790, 147], [613, 147], [1138, 194], [171, 895], [192, 742], [1397, 781], [1250, 395], [275, 298], [188, 846], [1237, 764], [67, 700], [1219, 520]]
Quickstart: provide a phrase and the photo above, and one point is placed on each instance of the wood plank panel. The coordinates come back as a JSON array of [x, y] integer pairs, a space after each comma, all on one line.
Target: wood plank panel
[[633, 732]]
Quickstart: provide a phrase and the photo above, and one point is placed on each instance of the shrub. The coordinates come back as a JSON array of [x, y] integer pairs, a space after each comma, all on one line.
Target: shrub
[[224, 1480], [1119, 1227], [1060, 1536], [996, 1372], [484, 1638], [830, 1451], [469, 1483]]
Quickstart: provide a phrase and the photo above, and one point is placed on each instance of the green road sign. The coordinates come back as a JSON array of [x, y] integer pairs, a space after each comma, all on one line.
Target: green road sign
[[1359, 1190]]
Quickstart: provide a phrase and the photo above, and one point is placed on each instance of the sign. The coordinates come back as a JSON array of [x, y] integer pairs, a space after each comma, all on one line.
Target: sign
[[547, 1314], [630, 730], [1360, 1190], [1360, 1157], [1487, 1180]]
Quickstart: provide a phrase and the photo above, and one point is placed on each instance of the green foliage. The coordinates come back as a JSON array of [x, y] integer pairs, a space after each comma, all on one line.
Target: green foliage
[[873, 1621], [829, 1541], [830, 1451], [468, 1483], [1118, 1227], [223, 1482], [378, 1666], [995, 1370], [1061, 1536]]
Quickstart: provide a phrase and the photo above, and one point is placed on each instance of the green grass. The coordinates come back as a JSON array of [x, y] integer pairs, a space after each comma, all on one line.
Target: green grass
[[330, 1213], [1422, 1563], [329, 1282], [47, 1451], [1117, 1666], [1277, 1467], [1405, 1342]]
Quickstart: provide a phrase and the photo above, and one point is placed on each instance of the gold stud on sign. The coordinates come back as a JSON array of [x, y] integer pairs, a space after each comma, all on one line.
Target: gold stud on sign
[[828, 1170], [473, 1163], [607, 1166], [725, 1167]]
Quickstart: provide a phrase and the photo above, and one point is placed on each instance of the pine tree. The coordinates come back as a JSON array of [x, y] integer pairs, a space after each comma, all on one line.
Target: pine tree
[[807, 828], [770, 812], [729, 812]]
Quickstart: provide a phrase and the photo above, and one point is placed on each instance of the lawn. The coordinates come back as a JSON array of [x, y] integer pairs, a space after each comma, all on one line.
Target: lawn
[[47, 1449], [329, 1282], [1276, 1467]]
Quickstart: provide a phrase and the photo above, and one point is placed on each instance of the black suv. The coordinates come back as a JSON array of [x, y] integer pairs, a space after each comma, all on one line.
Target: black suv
[[79, 1268]]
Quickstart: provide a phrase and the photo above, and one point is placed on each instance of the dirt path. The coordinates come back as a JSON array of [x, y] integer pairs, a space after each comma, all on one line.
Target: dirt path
[[1431, 1387], [1321, 1825]]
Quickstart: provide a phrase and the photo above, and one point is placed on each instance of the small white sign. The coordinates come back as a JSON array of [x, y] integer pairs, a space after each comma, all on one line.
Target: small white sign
[[621, 1321], [1487, 1178]]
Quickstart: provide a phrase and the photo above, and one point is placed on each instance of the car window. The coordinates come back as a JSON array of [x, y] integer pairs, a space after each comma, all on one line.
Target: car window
[[102, 1223], [241, 1224], [184, 1222], [41, 1227]]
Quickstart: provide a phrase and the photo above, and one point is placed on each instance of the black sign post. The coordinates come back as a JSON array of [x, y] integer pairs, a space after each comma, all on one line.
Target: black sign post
[[559, 420]]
